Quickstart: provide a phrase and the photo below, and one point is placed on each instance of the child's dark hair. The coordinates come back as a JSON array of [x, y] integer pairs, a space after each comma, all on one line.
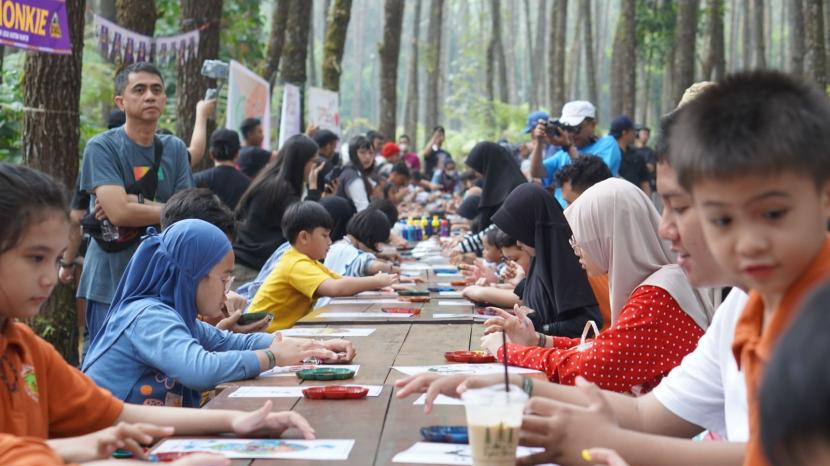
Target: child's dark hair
[[661, 149], [795, 392], [584, 172], [402, 169], [759, 122], [370, 227], [388, 208], [199, 203], [490, 235], [123, 78], [324, 137], [27, 196], [304, 216], [248, 125], [224, 144], [503, 240]]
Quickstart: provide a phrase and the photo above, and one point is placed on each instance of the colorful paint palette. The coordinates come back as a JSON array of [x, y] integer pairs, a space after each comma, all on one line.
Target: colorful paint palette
[[326, 373]]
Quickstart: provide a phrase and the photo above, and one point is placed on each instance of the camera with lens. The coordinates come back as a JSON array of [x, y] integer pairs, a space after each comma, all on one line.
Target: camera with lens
[[554, 128]]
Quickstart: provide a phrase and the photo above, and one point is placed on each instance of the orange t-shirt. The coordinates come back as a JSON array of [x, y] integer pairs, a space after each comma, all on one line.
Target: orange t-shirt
[[26, 451], [599, 285], [753, 344], [42, 396]]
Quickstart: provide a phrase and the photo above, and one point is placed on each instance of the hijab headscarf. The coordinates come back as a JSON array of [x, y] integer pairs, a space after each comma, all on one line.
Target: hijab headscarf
[[500, 174], [167, 269], [615, 225], [556, 288], [341, 211]]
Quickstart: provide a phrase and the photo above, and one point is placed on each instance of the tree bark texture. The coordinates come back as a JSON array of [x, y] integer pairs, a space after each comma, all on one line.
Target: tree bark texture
[[590, 59], [539, 54], [556, 66], [190, 84], [389, 50], [410, 119], [295, 49], [279, 19], [624, 63], [796, 19], [746, 29], [814, 51], [107, 9], [685, 35], [433, 62], [498, 50], [312, 59], [758, 9], [531, 84], [137, 15], [51, 134], [335, 42], [714, 68]]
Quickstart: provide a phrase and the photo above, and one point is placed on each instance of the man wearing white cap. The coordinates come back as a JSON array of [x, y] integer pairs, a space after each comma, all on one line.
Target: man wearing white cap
[[575, 133]]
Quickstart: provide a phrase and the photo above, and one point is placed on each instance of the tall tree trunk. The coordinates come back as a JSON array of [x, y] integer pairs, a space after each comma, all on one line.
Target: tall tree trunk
[[107, 9], [360, 40], [51, 136], [138, 15], [758, 32], [746, 29], [312, 60], [733, 36], [623, 63], [296, 42], [685, 35], [410, 120], [814, 56], [498, 49], [797, 39], [512, 67], [190, 84], [2, 58], [532, 84], [539, 54], [590, 58], [715, 66], [389, 50], [556, 65], [279, 20], [433, 58], [338, 26], [667, 99], [573, 64], [782, 23]]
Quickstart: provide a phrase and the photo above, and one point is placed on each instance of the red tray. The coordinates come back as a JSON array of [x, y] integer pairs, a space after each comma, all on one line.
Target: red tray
[[336, 392], [472, 357], [458, 283], [402, 310], [415, 299]]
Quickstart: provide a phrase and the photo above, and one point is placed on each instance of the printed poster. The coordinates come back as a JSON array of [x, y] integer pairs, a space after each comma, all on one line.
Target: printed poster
[[331, 450], [248, 97], [324, 109], [40, 25], [290, 116]]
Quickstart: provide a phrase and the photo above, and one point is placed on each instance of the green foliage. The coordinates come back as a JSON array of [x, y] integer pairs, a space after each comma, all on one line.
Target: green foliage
[[11, 108], [654, 28], [243, 37]]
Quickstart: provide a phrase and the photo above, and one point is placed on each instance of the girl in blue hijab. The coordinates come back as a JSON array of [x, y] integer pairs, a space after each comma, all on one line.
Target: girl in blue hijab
[[152, 349]]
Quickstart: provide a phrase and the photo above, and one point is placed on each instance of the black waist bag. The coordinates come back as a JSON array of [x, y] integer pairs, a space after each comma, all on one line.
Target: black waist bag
[[127, 236]]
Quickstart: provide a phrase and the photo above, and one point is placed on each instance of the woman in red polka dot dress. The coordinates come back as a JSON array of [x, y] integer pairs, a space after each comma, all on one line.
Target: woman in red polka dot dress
[[656, 315]]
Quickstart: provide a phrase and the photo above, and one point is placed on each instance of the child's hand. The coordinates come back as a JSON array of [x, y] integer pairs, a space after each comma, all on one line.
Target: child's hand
[[232, 324], [510, 271], [292, 351], [263, 422], [600, 456], [385, 279], [101, 444], [202, 459], [518, 327]]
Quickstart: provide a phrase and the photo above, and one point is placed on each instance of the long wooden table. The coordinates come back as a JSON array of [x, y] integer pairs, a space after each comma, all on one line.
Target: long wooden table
[[381, 426]]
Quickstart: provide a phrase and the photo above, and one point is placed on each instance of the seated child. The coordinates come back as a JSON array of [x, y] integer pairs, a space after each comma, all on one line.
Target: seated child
[[45, 403], [151, 337], [795, 393], [485, 291], [299, 278], [353, 255]]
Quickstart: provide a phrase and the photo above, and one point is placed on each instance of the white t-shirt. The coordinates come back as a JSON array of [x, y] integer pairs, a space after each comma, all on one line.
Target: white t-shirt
[[707, 389]]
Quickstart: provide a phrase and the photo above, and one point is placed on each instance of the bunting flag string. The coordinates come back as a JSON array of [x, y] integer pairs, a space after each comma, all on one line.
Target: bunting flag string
[[123, 47]]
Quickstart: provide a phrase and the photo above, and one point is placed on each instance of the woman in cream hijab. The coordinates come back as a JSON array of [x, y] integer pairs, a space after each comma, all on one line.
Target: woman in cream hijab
[[656, 315]]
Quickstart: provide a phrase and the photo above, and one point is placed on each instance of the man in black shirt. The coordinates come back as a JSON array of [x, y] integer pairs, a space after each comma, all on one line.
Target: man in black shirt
[[327, 142], [434, 156], [252, 157], [632, 165], [647, 153], [224, 179]]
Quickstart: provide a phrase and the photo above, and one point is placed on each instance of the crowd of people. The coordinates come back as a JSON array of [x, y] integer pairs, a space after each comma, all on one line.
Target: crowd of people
[[661, 291]]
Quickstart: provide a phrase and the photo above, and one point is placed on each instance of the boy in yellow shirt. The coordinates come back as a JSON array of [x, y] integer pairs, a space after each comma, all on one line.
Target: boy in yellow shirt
[[299, 278]]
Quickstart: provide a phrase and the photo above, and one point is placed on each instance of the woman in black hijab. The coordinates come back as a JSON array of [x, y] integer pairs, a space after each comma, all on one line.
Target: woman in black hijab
[[341, 211], [556, 287], [500, 174]]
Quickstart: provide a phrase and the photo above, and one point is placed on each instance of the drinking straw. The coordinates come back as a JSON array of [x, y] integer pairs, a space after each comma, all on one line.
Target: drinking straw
[[504, 356]]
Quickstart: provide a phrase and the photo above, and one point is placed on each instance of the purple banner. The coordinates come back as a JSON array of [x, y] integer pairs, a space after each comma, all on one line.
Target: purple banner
[[35, 25]]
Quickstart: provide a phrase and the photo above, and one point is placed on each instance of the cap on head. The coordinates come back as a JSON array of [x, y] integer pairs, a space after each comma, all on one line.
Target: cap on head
[[620, 124], [534, 118], [575, 112]]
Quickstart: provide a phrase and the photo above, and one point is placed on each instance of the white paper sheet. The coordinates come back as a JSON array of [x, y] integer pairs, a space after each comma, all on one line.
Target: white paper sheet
[[440, 400], [454, 302], [367, 301], [367, 294], [414, 266], [262, 448], [445, 453], [448, 275], [450, 315], [365, 315], [288, 392], [474, 369], [449, 294], [326, 332], [290, 371]]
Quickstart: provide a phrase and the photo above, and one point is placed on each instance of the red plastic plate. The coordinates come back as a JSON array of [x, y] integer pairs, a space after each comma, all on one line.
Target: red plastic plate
[[458, 283], [402, 310], [336, 392], [471, 357], [415, 299]]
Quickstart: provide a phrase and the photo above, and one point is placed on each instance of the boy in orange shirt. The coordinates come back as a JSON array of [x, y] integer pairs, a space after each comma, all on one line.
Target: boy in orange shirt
[[753, 151], [42, 398]]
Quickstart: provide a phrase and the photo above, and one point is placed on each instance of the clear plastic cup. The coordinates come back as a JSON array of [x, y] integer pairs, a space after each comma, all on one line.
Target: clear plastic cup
[[494, 418]]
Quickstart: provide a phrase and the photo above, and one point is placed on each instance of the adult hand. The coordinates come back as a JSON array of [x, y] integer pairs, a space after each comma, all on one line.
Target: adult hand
[[510, 271], [232, 323], [519, 327], [101, 444], [331, 187], [311, 130], [313, 174], [292, 351], [600, 456], [431, 384], [539, 134], [564, 429], [235, 301], [263, 422], [491, 343], [385, 279], [343, 349], [206, 108]]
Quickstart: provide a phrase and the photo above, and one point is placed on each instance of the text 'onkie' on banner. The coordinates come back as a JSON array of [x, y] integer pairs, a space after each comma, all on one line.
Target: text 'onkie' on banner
[[40, 25]]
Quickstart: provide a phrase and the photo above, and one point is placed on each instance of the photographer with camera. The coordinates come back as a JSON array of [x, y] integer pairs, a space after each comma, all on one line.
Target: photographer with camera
[[574, 132]]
